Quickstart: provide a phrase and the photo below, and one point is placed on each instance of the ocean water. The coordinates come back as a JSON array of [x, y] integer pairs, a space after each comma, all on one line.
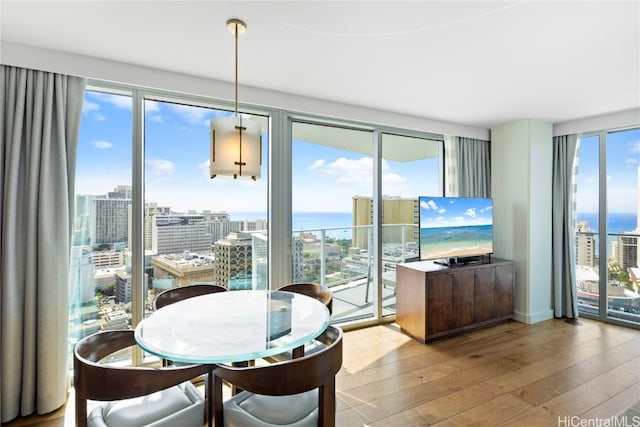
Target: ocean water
[[616, 222], [340, 222], [445, 242], [310, 220]]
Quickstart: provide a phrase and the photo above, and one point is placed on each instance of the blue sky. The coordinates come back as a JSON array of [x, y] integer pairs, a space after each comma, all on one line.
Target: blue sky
[[325, 179], [623, 160], [448, 212], [177, 155]]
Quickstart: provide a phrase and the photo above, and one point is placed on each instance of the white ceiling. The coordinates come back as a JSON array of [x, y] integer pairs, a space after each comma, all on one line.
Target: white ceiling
[[477, 63]]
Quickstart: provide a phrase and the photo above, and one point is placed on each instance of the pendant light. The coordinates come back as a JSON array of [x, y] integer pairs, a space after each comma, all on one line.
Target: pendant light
[[236, 142]]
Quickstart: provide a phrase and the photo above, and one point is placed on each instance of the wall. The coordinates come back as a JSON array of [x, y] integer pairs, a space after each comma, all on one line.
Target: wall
[[521, 158], [95, 68]]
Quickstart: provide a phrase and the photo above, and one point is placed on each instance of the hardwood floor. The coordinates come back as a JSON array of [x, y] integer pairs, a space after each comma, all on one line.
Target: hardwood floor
[[510, 374]]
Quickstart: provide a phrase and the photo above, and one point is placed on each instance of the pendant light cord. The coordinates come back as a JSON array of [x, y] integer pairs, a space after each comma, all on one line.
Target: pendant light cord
[[236, 34]]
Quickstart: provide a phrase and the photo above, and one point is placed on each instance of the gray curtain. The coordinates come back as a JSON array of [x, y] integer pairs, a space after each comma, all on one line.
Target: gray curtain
[[565, 300], [39, 123], [474, 168]]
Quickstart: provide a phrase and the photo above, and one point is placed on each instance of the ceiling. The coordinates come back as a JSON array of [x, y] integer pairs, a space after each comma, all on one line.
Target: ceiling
[[477, 63]]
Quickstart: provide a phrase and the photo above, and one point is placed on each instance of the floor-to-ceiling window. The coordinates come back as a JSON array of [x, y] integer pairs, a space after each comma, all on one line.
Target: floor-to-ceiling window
[[607, 204], [189, 218], [340, 238], [143, 182], [198, 229], [101, 227], [411, 167], [332, 170]]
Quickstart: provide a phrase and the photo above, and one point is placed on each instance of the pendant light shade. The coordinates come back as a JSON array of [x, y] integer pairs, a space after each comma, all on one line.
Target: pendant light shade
[[236, 142], [236, 147]]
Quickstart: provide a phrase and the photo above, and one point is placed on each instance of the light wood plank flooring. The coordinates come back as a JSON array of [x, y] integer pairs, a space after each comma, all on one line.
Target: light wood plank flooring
[[506, 375]]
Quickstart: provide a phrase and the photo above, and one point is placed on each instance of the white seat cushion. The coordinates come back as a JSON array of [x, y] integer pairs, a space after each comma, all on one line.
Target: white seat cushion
[[180, 405], [248, 409]]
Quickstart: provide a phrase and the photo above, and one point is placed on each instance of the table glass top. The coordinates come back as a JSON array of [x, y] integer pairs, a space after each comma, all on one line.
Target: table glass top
[[232, 326]]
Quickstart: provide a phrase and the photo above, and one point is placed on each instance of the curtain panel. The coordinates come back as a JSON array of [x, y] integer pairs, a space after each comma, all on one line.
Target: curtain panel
[[565, 298], [40, 116], [474, 167]]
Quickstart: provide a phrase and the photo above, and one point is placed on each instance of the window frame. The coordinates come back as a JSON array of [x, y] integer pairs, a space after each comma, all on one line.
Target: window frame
[[279, 203]]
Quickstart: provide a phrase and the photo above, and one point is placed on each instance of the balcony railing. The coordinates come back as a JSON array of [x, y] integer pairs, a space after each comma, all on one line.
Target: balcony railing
[[622, 275], [341, 259]]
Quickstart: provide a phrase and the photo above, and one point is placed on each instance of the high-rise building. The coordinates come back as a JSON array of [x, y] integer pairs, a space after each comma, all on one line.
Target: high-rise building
[[151, 210], [108, 216], [121, 192], [298, 259], [585, 245], [109, 220], [395, 210], [626, 251], [232, 258], [82, 224], [123, 285], [174, 234], [81, 281], [102, 259]]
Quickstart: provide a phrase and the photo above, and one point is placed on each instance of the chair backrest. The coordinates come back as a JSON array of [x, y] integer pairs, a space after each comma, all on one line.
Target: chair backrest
[[292, 376], [313, 290], [102, 382], [183, 292]]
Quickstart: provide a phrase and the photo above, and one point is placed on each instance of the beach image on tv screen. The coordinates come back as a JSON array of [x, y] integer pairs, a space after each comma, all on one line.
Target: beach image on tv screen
[[455, 227]]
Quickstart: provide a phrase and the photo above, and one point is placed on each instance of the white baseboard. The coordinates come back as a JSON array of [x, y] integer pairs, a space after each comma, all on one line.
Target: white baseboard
[[530, 318]]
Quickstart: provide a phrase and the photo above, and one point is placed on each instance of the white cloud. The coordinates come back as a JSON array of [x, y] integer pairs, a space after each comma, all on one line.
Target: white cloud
[[120, 101], [88, 106], [160, 167], [431, 205], [152, 111], [346, 171], [194, 115], [151, 106], [358, 172], [470, 212], [102, 144], [317, 164]]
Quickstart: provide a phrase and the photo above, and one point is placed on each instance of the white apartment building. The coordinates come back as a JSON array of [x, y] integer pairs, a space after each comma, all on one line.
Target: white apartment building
[[174, 234]]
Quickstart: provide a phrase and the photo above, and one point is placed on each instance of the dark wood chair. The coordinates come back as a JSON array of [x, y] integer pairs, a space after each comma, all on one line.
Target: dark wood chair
[[132, 395], [313, 290], [183, 292], [297, 392]]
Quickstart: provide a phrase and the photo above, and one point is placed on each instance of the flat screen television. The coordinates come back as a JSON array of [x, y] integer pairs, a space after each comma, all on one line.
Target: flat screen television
[[455, 230]]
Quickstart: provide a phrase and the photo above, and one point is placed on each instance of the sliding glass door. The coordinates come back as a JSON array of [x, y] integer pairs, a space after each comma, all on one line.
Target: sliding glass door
[[607, 228], [332, 176], [340, 237], [411, 167]]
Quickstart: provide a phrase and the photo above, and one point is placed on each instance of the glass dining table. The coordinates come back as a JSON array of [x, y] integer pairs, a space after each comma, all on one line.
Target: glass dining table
[[233, 326]]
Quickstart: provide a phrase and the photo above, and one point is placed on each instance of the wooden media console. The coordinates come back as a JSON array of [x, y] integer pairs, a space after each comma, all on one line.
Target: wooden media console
[[434, 301]]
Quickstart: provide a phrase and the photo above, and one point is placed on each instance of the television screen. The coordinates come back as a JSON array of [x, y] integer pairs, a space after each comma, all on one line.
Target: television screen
[[455, 227]]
